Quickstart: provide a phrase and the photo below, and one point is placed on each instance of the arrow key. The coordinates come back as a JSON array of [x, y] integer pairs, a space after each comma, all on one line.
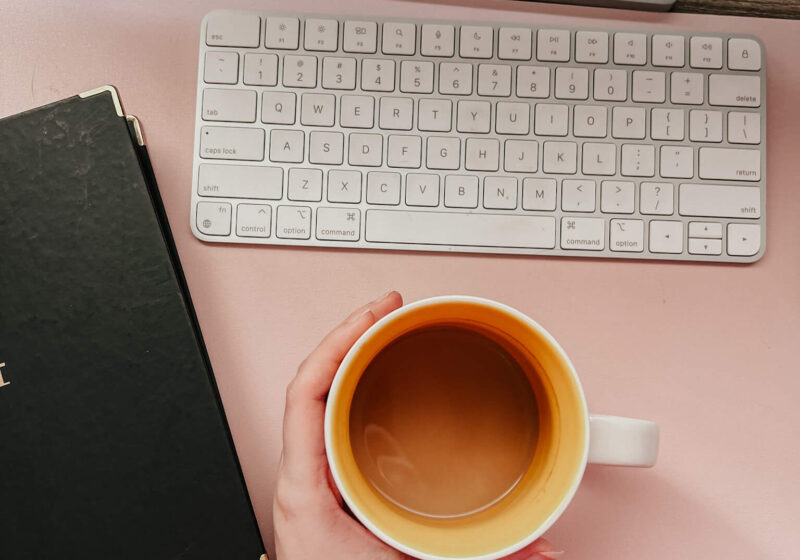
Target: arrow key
[[705, 230], [744, 240], [705, 246], [666, 236]]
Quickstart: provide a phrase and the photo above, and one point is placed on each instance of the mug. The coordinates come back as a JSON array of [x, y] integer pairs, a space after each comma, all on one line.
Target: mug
[[569, 437]]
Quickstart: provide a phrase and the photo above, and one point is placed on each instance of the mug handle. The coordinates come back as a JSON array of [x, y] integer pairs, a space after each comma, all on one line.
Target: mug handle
[[625, 442]]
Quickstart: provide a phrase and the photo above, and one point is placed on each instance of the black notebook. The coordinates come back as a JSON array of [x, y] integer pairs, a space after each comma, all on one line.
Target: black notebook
[[113, 441]]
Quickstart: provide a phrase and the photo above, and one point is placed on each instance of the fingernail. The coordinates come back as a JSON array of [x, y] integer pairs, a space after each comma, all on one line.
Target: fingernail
[[553, 554], [360, 316], [384, 296]]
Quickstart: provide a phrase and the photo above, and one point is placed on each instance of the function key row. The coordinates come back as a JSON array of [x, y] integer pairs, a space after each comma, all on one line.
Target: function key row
[[478, 42]]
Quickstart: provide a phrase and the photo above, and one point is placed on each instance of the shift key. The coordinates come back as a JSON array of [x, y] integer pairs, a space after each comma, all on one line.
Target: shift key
[[223, 142]]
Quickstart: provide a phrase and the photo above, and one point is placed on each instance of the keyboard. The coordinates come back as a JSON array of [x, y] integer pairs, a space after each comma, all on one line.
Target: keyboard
[[474, 136]]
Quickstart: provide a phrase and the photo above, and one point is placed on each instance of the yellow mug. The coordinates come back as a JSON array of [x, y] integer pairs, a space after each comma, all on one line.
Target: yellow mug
[[569, 438]]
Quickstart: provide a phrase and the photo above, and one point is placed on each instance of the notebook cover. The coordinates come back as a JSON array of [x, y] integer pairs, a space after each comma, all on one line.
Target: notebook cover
[[113, 441]]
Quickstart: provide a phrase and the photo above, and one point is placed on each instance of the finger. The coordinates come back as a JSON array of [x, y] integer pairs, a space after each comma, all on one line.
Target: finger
[[303, 422], [540, 549]]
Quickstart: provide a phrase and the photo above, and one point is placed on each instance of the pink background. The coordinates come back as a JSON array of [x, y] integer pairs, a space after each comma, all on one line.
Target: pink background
[[708, 351]]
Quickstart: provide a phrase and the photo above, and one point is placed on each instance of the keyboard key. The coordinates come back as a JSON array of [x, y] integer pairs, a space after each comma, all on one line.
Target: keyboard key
[[705, 246], [318, 109], [396, 113], [551, 119], [416, 76], [638, 160], [666, 237], [461, 191], [577, 195], [326, 147], [474, 116], [221, 68], [462, 229], [676, 162], [286, 145], [734, 90], [744, 54], [533, 81], [278, 107], [628, 122], [260, 69], [705, 230], [482, 154], [572, 83], [360, 37], [214, 218], [476, 42], [383, 188], [521, 156], [705, 52], [253, 220], [226, 142], [338, 224], [668, 50], [357, 111], [494, 80], [630, 48], [230, 29], [305, 184], [667, 124], [599, 159], [719, 201], [552, 45], [321, 35], [730, 164], [648, 87], [300, 71], [293, 222], [399, 38], [560, 157], [437, 40], [500, 193], [282, 33], [338, 73], [744, 128], [656, 198], [422, 189], [435, 115], [404, 151], [229, 105], [514, 43], [610, 85], [590, 121], [240, 181], [686, 88], [538, 194], [366, 150], [705, 126], [627, 236], [512, 118], [344, 186], [616, 197], [583, 233], [455, 79], [377, 75], [744, 240], [591, 47]]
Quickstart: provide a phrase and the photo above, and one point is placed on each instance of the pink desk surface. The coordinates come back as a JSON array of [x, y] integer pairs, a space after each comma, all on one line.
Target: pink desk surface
[[708, 351]]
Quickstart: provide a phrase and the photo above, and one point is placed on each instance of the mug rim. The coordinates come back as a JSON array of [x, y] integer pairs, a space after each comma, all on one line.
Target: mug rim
[[338, 379]]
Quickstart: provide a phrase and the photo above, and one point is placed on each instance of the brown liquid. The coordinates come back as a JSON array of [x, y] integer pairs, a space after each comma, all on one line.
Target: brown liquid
[[443, 422]]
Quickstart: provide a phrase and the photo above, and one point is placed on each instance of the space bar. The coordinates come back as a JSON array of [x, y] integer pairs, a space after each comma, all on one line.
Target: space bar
[[459, 228]]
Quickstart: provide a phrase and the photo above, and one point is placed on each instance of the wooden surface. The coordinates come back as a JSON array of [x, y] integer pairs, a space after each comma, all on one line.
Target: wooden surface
[[786, 9]]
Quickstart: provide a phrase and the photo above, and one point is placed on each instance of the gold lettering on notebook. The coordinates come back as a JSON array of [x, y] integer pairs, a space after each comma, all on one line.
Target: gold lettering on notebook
[[3, 382]]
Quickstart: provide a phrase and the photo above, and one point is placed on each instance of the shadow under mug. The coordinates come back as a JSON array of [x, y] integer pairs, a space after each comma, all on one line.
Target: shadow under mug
[[569, 437]]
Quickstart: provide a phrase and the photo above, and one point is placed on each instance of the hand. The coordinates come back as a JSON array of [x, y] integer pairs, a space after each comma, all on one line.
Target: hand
[[309, 520]]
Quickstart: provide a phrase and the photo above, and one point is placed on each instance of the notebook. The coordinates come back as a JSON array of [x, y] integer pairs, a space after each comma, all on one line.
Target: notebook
[[113, 440]]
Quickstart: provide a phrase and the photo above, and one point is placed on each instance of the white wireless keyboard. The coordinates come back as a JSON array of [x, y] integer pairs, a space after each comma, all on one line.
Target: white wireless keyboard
[[475, 136]]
